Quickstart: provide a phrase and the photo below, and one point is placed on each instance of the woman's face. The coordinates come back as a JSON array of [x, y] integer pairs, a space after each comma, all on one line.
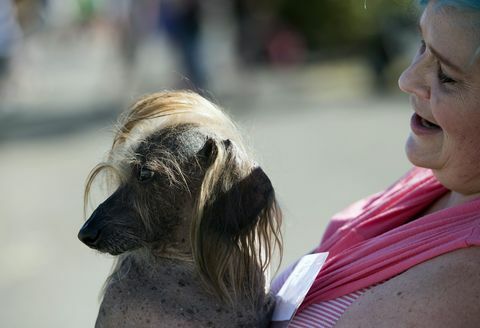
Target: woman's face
[[444, 87]]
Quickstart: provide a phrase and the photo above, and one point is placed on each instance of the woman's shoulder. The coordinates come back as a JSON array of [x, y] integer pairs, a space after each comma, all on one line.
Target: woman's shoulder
[[441, 292]]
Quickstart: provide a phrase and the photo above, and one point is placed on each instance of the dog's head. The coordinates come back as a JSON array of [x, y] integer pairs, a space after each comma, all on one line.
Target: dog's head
[[154, 200], [186, 182]]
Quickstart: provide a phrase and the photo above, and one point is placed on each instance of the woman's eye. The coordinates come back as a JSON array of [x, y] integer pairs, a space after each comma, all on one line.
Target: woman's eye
[[443, 78], [145, 174]]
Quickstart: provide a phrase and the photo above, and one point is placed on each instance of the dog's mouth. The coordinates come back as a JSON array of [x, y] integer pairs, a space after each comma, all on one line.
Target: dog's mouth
[[112, 252], [95, 240], [99, 246], [118, 251]]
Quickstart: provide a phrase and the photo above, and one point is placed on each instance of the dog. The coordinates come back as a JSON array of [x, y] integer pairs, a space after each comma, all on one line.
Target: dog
[[193, 221]]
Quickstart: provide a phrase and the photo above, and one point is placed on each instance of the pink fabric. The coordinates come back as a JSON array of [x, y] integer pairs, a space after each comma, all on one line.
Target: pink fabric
[[373, 240], [325, 314]]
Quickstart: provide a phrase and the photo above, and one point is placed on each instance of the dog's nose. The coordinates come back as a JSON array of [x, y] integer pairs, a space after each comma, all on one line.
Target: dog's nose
[[89, 234]]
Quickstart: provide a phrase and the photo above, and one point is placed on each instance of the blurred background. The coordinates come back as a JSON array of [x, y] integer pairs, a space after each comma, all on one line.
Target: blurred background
[[311, 83]]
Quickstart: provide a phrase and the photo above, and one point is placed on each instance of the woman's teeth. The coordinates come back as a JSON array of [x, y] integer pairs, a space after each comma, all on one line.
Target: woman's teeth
[[428, 124]]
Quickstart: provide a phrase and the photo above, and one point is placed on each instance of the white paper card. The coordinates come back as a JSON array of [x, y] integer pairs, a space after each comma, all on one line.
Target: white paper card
[[297, 285]]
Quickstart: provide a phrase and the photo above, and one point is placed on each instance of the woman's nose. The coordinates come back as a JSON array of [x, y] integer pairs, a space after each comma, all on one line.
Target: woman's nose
[[413, 81]]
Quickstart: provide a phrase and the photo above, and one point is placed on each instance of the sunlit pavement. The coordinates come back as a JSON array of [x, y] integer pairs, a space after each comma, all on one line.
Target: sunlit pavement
[[317, 131]]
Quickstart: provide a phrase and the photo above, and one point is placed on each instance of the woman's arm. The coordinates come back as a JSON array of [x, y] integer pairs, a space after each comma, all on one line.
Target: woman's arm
[[442, 292]]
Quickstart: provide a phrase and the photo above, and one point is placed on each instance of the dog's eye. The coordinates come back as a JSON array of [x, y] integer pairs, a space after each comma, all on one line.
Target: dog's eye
[[145, 174]]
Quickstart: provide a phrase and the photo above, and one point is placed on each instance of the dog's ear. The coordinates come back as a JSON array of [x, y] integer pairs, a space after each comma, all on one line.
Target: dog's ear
[[236, 237], [238, 209], [208, 153]]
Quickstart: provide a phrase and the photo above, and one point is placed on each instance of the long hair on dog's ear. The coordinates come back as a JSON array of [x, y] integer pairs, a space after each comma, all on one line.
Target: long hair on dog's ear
[[236, 227]]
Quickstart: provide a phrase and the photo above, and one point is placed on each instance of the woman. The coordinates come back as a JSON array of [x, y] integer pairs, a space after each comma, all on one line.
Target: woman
[[409, 256]]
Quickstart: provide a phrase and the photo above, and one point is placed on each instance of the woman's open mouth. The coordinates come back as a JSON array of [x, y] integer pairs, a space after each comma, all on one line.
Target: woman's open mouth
[[421, 126]]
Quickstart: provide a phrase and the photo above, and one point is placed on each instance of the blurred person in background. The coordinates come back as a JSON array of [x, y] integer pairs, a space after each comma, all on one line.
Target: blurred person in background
[[130, 21], [31, 14], [286, 47], [10, 35], [409, 256], [262, 37], [254, 23], [181, 21]]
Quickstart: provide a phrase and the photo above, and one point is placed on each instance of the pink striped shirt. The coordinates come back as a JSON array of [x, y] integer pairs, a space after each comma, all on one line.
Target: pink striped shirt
[[325, 314], [319, 315], [376, 239]]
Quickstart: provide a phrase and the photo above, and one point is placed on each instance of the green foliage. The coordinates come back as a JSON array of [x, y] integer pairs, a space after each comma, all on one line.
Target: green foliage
[[337, 22]]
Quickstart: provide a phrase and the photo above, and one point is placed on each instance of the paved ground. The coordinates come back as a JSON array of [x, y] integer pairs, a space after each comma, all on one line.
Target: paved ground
[[318, 133]]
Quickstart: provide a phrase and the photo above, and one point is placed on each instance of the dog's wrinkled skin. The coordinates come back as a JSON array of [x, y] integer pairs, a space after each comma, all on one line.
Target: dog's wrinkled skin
[[176, 267]]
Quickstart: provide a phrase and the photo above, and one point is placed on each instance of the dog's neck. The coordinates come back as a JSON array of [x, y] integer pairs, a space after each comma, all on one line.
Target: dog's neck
[[149, 264], [172, 253], [175, 245], [180, 245]]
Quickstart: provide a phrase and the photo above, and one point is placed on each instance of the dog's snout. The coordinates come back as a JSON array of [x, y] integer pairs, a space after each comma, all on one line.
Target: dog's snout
[[89, 234]]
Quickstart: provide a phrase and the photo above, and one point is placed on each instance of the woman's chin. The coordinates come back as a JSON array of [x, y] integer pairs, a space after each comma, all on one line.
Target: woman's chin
[[419, 154]]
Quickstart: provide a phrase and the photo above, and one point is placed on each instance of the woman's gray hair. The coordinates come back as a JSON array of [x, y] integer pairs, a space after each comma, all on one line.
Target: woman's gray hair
[[460, 4], [467, 6]]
